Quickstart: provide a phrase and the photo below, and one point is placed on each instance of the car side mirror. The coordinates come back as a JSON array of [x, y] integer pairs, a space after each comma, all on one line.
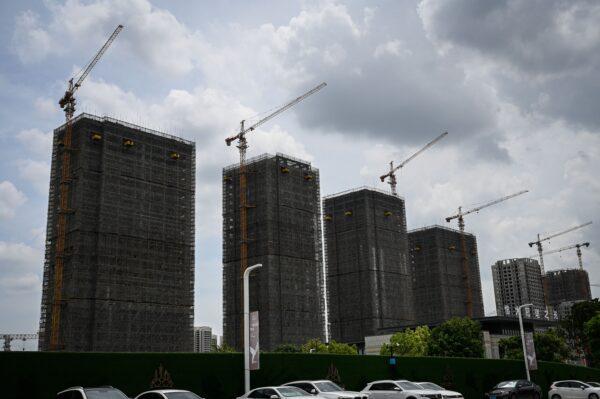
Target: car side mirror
[[313, 391], [396, 389]]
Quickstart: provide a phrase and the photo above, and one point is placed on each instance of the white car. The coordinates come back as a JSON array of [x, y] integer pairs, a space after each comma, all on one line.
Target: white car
[[573, 389], [327, 389], [446, 394], [106, 392], [277, 392], [167, 394], [398, 389]]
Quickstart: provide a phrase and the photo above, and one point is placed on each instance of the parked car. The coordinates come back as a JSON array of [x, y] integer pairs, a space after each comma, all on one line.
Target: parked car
[[326, 389], [594, 384], [573, 389], [91, 393], [446, 394], [167, 394], [515, 389], [398, 389], [277, 392]]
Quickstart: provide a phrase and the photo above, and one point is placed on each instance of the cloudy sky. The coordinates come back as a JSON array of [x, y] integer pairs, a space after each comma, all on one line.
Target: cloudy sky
[[515, 83]]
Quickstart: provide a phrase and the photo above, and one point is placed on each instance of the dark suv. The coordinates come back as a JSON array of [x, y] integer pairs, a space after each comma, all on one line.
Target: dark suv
[[91, 393]]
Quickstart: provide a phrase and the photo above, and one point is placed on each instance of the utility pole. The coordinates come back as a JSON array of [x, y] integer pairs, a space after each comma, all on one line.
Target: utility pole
[[523, 337], [247, 325]]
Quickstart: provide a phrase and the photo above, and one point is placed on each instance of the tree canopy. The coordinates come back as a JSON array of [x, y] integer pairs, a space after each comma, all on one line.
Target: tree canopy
[[457, 337], [336, 348], [549, 346], [591, 330], [408, 342]]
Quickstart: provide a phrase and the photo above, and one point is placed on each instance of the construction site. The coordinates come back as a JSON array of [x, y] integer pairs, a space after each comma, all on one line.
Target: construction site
[[127, 264], [283, 228], [368, 281], [443, 287], [566, 286], [517, 281]]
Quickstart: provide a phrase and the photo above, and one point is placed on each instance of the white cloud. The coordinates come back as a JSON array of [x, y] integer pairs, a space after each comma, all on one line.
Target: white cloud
[[19, 258], [32, 42], [35, 172], [36, 142], [392, 47], [46, 106], [29, 282], [10, 199]]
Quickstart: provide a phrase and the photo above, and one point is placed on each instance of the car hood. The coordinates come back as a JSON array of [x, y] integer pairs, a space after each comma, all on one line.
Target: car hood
[[341, 394], [449, 393]]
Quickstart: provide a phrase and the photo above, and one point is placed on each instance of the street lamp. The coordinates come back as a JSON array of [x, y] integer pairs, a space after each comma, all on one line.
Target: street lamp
[[247, 325], [523, 337]]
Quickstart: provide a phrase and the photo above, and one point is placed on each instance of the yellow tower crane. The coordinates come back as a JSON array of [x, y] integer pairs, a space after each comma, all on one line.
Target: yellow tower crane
[[391, 175], [461, 226], [67, 102]]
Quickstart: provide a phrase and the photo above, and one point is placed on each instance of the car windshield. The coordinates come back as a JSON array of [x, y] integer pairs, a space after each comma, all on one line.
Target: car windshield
[[327, 386], [104, 393], [409, 386], [507, 384], [432, 386], [181, 395], [290, 392]]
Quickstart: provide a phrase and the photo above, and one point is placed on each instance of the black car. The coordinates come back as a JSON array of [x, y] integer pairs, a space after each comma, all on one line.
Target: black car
[[515, 389]]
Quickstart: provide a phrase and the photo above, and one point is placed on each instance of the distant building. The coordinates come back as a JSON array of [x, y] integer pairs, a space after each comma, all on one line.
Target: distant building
[[518, 282], [284, 235], [203, 339], [368, 279], [124, 238], [441, 285], [565, 287]]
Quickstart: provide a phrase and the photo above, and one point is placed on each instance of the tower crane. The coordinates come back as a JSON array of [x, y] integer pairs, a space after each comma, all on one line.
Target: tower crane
[[539, 241], [578, 246], [67, 102], [463, 243], [391, 175], [242, 146], [8, 338]]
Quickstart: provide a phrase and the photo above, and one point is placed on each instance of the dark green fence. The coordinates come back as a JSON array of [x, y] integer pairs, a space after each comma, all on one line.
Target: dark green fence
[[32, 375]]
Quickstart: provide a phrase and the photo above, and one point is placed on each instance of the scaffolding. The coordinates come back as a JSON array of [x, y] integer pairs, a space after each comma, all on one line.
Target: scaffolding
[[439, 282], [128, 279], [566, 285], [368, 280], [284, 234], [517, 281]]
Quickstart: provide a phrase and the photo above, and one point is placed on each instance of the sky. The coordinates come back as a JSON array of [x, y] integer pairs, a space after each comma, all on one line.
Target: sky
[[515, 83]]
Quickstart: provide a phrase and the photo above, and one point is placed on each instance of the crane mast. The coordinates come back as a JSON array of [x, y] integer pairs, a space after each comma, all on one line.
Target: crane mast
[[463, 243], [242, 145], [391, 175], [578, 246], [539, 241], [67, 102]]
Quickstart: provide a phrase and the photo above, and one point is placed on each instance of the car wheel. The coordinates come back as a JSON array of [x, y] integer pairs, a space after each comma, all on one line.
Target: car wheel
[[555, 396], [593, 396]]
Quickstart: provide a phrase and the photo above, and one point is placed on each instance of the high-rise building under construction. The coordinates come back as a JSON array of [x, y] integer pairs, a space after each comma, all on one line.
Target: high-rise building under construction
[[368, 280], [284, 235], [444, 285], [518, 282], [128, 278], [566, 286]]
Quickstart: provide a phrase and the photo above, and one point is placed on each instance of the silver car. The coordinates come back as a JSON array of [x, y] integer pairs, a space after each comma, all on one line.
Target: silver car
[[573, 389], [446, 394], [398, 389], [167, 394], [276, 392], [326, 389]]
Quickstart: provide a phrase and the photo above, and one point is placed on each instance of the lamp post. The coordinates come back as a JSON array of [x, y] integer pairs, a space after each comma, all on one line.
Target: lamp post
[[247, 325], [523, 337]]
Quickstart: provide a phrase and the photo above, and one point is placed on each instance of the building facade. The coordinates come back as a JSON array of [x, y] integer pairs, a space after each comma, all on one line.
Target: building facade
[[368, 279], [128, 259], [442, 287], [204, 339], [518, 282], [284, 235], [565, 287]]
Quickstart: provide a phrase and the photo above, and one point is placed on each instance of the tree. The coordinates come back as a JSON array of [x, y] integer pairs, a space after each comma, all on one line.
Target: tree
[[408, 342], [592, 332], [574, 324], [287, 348], [335, 348], [223, 349], [549, 346], [458, 338]]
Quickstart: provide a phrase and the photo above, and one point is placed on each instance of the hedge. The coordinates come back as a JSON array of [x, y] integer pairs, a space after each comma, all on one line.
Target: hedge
[[32, 375]]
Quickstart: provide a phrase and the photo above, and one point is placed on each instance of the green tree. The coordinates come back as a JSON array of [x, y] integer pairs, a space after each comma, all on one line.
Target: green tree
[[591, 330], [457, 337], [574, 324], [287, 348], [223, 349], [337, 348], [549, 346], [408, 342]]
